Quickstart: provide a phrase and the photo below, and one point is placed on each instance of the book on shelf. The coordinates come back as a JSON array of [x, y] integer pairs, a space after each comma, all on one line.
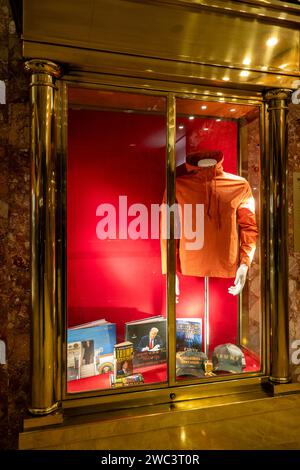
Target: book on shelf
[[148, 337], [126, 381], [188, 334], [96, 340], [123, 359], [104, 363], [73, 360]]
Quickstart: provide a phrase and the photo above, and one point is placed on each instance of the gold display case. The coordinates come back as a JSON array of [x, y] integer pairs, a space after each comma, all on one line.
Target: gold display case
[[245, 52]]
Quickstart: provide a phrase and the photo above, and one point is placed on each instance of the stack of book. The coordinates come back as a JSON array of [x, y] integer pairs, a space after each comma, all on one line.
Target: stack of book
[[130, 380]]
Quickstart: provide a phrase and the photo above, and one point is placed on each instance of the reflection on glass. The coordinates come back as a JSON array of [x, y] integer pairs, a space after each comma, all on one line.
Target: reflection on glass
[[116, 306], [217, 259]]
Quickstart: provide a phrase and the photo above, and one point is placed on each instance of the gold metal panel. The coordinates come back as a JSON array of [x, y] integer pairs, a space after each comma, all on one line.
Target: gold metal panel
[[108, 424], [187, 35], [171, 260], [144, 72]]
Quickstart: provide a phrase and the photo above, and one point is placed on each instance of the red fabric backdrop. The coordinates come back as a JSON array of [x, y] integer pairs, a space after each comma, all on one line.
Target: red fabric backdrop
[[117, 153]]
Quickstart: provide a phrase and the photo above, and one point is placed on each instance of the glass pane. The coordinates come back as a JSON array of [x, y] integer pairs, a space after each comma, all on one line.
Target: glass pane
[[218, 172], [116, 293]]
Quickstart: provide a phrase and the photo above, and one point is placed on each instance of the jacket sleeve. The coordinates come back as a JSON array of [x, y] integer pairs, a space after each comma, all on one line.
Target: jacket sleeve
[[247, 223], [163, 239]]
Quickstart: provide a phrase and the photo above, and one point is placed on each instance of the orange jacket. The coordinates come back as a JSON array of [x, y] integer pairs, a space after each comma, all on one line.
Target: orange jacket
[[228, 202]]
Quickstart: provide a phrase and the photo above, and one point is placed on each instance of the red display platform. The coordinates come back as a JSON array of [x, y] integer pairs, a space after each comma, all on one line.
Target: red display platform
[[155, 374]]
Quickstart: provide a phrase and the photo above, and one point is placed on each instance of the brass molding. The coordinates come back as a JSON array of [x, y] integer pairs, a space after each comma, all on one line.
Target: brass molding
[[40, 66]]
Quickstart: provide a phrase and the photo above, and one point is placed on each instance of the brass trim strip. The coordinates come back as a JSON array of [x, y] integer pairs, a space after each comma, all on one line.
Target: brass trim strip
[[179, 393], [199, 92], [51, 85], [171, 260]]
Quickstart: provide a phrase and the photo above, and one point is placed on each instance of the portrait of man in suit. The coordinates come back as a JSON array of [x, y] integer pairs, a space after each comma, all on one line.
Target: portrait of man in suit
[[150, 342]]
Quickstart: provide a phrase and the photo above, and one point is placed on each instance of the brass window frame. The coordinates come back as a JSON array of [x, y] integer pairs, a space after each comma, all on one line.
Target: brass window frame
[[172, 390]]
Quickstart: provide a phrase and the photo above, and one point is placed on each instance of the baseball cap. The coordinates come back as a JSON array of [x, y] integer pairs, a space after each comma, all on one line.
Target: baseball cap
[[228, 357], [190, 363]]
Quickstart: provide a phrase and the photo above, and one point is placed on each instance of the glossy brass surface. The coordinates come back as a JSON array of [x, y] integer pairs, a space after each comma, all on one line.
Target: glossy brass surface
[[187, 41], [265, 242], [44, 358], [183, 392], [171, 260], [148, 421], [278, 225]]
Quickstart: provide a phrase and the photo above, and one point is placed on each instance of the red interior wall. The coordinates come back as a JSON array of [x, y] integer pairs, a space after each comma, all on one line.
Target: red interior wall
[[112, 154]]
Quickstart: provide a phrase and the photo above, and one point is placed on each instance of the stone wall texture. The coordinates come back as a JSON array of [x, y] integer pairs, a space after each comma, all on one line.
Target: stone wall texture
[[15, 233], [294, 257]]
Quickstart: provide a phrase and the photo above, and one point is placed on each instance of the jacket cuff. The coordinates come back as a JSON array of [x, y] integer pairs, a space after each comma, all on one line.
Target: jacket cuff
[[245, 260]]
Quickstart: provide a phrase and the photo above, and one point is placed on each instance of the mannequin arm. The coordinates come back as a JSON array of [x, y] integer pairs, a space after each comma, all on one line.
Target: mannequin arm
[[177, 289], [240, 279]]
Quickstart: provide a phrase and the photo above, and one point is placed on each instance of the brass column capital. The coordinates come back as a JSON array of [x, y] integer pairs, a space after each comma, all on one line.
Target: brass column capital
[[278, 94], [41, 66]]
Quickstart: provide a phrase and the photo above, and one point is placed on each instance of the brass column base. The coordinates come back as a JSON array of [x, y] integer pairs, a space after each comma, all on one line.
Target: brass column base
[[280, 380], [43, 411], [281, 388]]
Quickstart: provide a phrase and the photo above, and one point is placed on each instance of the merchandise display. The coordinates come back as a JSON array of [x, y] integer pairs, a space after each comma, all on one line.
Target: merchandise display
[[117, 290]]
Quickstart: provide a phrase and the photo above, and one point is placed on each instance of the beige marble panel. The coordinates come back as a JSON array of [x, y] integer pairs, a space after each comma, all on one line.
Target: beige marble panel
[[294, 257]]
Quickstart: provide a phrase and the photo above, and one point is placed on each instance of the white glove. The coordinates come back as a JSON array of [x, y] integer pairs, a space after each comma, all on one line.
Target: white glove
[[239, 281]]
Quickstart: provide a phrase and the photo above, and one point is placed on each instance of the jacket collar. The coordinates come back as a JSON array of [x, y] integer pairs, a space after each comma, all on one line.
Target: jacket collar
[[205, 173]]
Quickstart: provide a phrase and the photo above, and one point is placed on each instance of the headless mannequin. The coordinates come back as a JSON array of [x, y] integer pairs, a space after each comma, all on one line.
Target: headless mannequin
[[242, 270]]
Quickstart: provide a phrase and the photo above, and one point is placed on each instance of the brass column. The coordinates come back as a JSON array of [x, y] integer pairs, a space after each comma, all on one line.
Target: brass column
[[278, 234], [44, 352]]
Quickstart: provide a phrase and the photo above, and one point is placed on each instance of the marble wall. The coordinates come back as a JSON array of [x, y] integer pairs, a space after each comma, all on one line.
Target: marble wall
[[15, 233], [294, 257]]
